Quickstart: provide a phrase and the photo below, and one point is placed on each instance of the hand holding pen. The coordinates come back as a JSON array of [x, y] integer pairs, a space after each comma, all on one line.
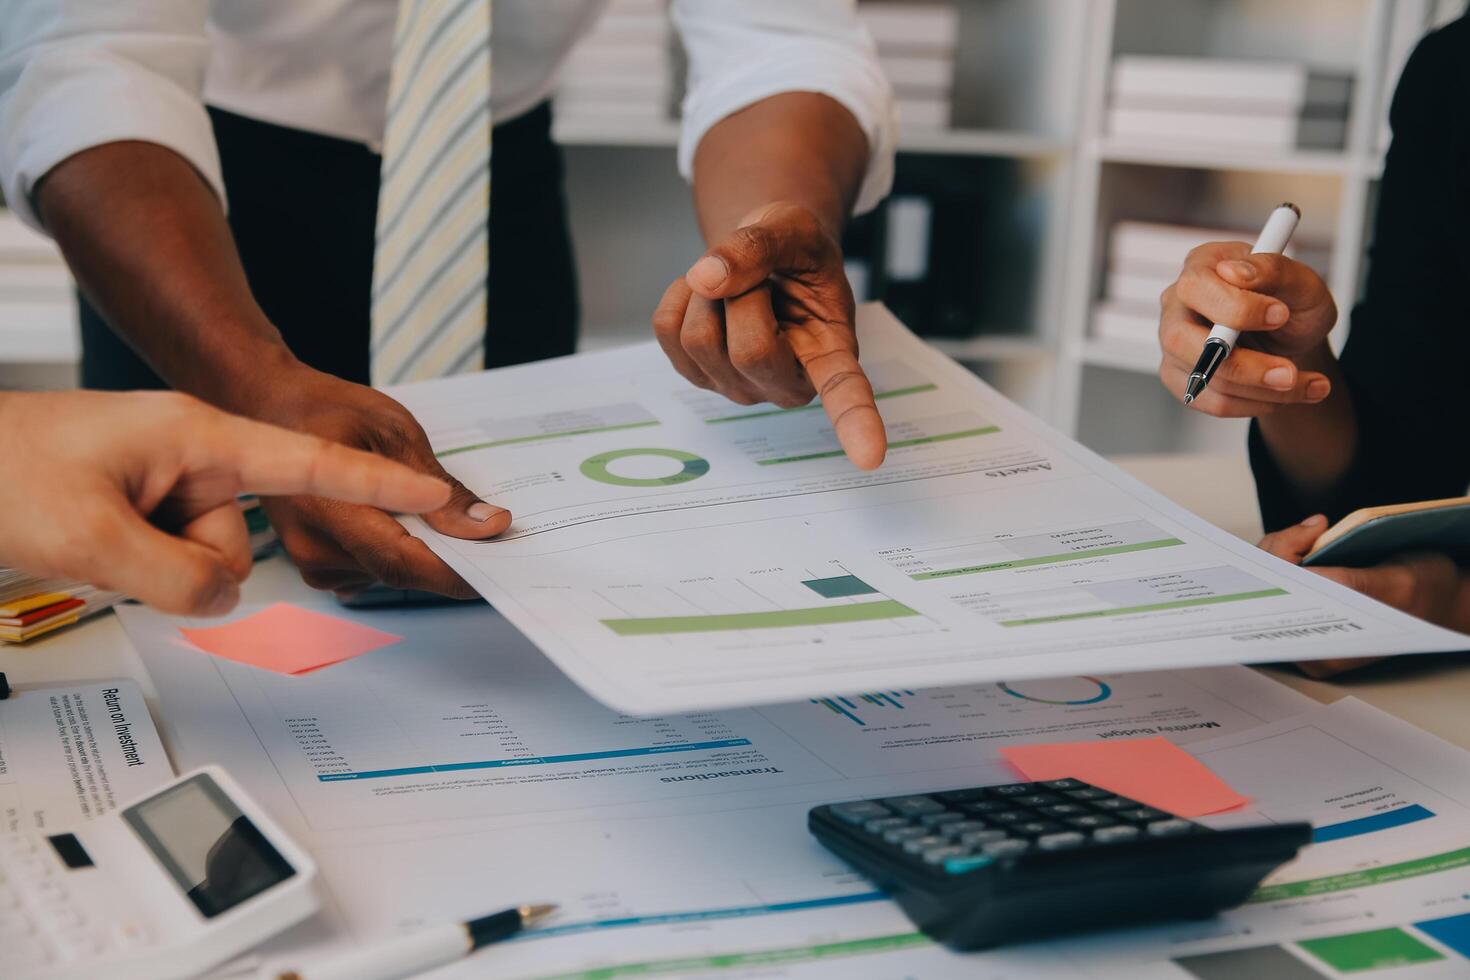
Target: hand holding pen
[[1276, 314]]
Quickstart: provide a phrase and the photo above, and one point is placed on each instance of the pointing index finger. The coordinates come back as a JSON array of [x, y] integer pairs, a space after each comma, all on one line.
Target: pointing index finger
[[848, 398]]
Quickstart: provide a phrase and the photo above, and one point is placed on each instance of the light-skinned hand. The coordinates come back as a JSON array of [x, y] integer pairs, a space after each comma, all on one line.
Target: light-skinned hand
[[1283, 310], [767, 316], [135, 492], [1427, 585]]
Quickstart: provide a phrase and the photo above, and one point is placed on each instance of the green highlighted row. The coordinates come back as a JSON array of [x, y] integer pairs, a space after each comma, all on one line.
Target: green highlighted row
[[539, 436], [856, 612], [1358, 879], [1212, 600], [758, 958], [920, 441], [1117, 549], [839, 587], [1373, 950], [895, 393]]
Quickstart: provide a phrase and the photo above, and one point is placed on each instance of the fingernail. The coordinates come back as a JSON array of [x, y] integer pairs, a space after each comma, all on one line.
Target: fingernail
[[1315, 520], [482, 512], [1238, 270], [1277, 314], [709, 272], [1318, 389], [1278, 377]]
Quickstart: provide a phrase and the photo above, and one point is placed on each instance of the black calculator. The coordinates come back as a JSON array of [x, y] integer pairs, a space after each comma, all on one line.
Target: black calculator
[[992, 865]]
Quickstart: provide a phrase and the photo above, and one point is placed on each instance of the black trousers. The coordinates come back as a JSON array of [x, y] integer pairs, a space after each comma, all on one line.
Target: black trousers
[[303, 209]]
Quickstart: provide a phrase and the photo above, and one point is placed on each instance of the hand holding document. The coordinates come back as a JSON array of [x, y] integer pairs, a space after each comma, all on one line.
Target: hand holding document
[[672, 551]]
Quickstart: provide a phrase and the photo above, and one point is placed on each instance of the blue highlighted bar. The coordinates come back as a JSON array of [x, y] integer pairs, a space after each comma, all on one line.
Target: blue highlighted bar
[[1373, 824], [702, 915], [1454, 932], [542, 760]]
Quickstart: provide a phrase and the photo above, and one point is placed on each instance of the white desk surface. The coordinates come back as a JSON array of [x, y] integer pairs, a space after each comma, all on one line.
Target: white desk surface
[[1432, 692]]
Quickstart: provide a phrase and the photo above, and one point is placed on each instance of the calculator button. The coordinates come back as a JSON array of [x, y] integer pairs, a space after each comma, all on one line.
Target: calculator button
[[1064, 809], [1035, 828], [900, 834], [1144, 814], [1036, 799], [940, 819], [1169, 828], [880, 825], [1063, 784], [974, 838], [860, 812], [914, 806], [986, 806], [939, 855], [961, 865], [963, 827], [918, 845], [1013, 789], [1088, 793], [1060, 842], [1005, 848], [1091, 821], [1116, 803], [1114, 835], [1007, 817]]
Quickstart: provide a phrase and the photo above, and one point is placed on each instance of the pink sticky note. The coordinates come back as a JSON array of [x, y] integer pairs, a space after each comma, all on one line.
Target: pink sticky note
[[289, 639], [1154, 771]]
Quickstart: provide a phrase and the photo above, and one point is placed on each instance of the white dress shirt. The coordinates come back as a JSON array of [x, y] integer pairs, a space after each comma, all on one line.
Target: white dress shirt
[[79, 73]]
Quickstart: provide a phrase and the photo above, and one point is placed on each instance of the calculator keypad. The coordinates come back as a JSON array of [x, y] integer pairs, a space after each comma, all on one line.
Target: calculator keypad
[[962, 830]]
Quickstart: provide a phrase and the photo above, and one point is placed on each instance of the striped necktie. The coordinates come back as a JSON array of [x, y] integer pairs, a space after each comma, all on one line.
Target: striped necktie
[[429, 268]]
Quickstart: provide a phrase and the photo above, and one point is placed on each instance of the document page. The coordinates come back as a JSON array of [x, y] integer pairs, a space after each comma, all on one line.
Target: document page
[[71, 753], [458, 771], [673, 551]]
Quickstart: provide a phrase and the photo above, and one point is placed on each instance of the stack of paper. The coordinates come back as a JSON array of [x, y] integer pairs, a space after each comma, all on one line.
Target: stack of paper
[[916, 43], [623, 69], [1144, 259], [38, 313], [31, 606], [1224, 102]]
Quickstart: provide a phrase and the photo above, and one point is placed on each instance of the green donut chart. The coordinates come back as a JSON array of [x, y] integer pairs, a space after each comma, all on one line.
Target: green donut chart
[[595, 468]]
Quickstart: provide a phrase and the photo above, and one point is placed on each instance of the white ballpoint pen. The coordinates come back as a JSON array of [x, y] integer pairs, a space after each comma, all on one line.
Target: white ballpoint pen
[[1221, 341]]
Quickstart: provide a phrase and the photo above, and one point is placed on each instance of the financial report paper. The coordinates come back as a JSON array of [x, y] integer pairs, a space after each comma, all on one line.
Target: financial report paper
[[459, 772], [671, 550]]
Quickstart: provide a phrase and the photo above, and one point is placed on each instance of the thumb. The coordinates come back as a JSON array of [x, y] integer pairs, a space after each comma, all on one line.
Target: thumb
[[1292, 543], [781, 240], [171, 574], [465, 515]]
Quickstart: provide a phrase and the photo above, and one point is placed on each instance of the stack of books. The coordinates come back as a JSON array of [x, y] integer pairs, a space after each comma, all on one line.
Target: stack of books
[[622, 70], [38, 314], [916, 44], [1258, 106], [31, 606]]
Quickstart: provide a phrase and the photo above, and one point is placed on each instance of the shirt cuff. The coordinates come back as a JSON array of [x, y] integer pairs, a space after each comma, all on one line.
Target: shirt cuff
[[69, 101], [856, 85]]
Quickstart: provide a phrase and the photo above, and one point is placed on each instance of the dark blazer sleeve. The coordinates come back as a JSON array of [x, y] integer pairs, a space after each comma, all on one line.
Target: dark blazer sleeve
[[1407, 359]]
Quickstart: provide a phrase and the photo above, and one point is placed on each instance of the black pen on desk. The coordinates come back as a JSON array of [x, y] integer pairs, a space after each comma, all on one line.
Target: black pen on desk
[[1221, 341], [420, 951]]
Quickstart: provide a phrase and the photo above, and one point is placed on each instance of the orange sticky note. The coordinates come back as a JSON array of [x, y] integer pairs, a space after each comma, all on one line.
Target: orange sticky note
[[1153, 771], [289, 639]]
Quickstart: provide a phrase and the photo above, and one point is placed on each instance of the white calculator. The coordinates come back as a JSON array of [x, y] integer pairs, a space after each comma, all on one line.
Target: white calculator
[[168, 887]]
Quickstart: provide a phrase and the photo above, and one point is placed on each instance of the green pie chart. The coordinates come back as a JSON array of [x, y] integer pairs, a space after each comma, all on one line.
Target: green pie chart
[[595, 468]]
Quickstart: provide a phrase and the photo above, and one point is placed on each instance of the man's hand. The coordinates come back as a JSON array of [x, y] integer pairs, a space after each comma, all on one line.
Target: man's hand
[[767, 316], [346, 547], [1284, 311], [136, 492], [1426, 585]]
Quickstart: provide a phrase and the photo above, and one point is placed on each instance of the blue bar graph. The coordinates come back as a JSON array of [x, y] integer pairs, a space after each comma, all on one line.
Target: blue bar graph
[[1369, 825], [541, 760], [848, 707]]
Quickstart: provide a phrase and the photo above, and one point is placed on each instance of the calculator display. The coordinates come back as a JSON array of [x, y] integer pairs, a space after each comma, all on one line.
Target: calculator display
[[213, 852]]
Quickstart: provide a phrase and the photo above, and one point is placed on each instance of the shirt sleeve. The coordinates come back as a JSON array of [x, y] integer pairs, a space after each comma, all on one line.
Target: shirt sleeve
[[742, 52], [78, 75], [1408, 338]]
